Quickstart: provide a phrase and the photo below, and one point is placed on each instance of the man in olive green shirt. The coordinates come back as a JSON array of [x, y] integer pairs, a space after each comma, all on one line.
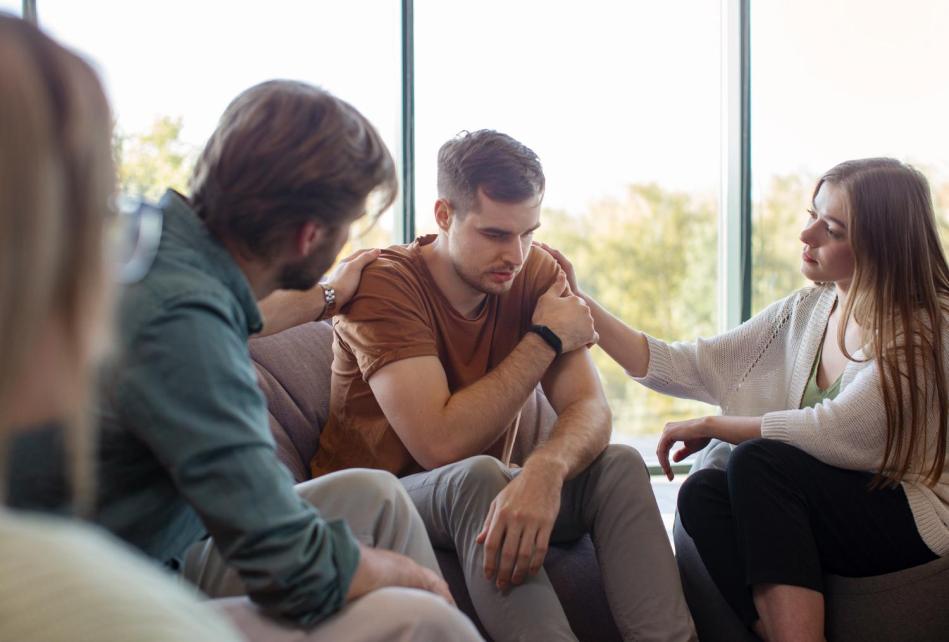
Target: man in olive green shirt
[[186, 447]]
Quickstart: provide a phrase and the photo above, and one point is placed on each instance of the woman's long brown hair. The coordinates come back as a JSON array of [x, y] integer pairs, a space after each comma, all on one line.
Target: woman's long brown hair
[[898, 296]]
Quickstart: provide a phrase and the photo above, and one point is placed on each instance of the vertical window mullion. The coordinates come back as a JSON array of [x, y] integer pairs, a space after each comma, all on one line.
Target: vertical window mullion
[[734, 239], [405, 232]]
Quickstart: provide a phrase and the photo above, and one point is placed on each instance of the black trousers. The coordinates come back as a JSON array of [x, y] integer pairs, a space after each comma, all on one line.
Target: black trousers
[[779, 516]]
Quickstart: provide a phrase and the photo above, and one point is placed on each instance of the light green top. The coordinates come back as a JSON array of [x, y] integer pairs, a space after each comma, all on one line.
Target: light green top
[[814, 394]]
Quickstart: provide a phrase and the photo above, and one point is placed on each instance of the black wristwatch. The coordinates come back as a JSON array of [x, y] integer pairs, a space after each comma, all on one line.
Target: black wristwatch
[[549, 336]]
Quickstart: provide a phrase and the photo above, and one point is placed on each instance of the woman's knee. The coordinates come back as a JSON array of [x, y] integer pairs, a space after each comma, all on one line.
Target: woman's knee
[[757, 458], [698, 494]]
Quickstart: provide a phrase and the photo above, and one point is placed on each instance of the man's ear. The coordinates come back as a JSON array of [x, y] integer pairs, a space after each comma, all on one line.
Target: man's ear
[[308, 236], [443, 214]]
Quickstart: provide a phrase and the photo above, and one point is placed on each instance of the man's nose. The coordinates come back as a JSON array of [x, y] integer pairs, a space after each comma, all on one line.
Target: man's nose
[[514, 253]]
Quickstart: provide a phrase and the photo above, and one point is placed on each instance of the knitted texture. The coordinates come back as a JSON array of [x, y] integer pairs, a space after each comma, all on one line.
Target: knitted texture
[[64, 581], [760, 369]]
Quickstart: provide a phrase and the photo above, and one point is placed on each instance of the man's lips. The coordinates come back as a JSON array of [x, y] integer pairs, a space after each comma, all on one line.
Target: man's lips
[[501, 277]]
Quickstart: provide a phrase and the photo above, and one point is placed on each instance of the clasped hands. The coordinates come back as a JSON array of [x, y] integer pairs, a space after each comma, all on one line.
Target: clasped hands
[[516, 532]]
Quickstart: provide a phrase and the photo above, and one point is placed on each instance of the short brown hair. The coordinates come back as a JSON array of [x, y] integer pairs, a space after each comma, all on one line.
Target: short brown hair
[[283, 154], [504, 169]]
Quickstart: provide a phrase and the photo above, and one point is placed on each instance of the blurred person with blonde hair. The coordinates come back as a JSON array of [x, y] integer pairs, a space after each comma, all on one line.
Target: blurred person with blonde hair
[[60, 580]]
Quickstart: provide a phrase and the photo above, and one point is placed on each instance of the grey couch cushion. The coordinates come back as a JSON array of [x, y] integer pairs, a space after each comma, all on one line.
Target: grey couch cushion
[[293, 369]]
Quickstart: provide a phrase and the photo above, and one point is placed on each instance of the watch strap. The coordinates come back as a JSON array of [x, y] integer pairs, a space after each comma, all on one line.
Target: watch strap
[[549, 336], [329, 301]]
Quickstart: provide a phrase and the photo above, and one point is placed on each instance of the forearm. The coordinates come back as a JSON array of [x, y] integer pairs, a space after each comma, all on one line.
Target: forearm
[[581, 433], [476, 416], [625, 345], [285, 309], [734, 430]]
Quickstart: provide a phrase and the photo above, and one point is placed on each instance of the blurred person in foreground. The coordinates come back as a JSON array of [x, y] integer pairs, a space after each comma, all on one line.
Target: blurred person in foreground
[[60, 580]]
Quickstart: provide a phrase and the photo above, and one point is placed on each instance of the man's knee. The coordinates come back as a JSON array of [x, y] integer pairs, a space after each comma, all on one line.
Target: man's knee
[[481, 473], [622, 464], [372, 487], [418, 615]]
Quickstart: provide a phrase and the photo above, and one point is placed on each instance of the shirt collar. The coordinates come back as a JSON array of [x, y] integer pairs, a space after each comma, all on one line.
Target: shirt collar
[[216, 261]]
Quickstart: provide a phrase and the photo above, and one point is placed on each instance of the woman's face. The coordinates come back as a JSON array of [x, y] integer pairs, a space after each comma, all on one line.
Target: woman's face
[[827, 255]]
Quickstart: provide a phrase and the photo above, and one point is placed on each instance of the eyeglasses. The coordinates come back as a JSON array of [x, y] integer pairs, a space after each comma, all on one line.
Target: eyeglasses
[[134, 237]]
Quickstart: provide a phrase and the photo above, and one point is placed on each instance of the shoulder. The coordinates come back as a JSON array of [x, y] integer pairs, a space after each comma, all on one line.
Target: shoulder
[[539, 272], [800, 304], [395, 264], [195, 299]]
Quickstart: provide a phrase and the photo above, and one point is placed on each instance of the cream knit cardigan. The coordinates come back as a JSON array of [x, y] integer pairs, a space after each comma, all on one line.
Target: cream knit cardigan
[[761, 368]]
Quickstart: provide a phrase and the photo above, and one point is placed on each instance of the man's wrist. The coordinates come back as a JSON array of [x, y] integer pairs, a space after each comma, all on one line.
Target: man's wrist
[[550, 471], [549, 337], [536, 345], [329, 301]]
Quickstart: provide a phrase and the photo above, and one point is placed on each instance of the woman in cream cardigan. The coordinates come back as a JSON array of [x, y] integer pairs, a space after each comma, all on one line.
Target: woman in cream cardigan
[[837, 396]]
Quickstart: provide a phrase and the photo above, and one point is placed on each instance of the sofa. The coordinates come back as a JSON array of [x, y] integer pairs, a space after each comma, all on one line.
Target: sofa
[[294, 372], [907, 605]]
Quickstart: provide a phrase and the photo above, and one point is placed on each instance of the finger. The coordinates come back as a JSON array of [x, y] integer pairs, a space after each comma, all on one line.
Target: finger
[[365, 257], [662, 452], [541, 543], [440, 587], [682, 453], [492, 547], [525, 551], [487, 522], [508, 557], [357, 253], [559, 285]]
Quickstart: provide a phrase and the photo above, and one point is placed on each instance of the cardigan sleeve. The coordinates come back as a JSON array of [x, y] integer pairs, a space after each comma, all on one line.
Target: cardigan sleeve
[[705, 369]]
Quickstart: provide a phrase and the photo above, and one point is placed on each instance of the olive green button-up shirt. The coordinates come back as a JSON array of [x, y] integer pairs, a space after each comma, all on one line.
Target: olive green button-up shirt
[[186, 447]]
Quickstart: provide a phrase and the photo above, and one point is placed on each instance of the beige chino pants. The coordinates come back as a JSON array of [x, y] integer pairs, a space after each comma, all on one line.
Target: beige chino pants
[[381, 515]]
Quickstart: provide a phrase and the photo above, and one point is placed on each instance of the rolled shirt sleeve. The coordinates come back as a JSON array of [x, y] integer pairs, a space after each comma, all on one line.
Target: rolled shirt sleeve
[[188, 389]]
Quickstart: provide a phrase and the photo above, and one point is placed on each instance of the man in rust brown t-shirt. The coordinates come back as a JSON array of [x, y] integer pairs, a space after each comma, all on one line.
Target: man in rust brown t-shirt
[[437, 352]]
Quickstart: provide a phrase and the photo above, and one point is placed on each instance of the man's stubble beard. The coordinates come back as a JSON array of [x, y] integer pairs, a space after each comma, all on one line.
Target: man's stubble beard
[[477, 283], [306, 273]]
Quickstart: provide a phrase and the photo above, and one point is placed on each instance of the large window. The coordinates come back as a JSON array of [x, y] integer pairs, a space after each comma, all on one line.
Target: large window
[[833, 81], [171, 68], [13, 7], [621, 101]]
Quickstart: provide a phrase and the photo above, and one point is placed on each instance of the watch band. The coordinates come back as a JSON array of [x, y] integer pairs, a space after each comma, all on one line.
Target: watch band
[[329, 301], [549, 336]]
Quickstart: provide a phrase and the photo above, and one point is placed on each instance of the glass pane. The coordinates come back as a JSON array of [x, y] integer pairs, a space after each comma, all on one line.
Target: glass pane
[[14, 7], [833, 81], [621, 101], [171, 68]]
